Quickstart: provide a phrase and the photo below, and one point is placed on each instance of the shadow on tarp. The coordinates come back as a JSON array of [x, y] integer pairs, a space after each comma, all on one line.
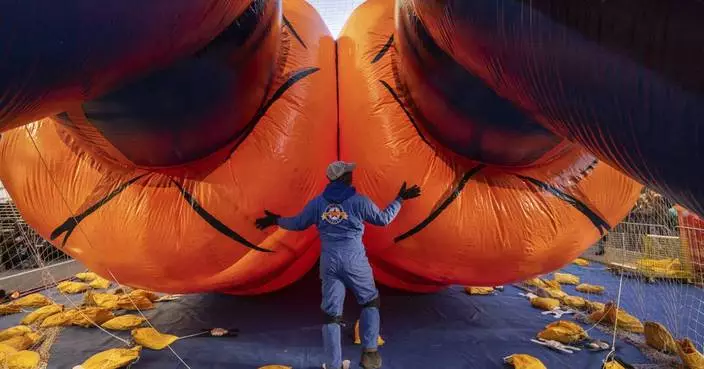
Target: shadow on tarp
[[446, 330]]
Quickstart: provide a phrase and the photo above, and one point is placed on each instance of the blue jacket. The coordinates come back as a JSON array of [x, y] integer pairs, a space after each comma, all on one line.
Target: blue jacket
[[339, 213]]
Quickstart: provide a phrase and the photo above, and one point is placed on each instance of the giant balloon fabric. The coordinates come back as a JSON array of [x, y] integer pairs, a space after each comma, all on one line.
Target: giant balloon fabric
[[144, 140], [623, 78], [157, 182], [497, 185]]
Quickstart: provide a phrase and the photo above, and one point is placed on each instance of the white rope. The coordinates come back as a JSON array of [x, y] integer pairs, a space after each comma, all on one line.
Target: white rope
[[48, 275], [146, 319], [194, 335], [612, 352], [80, 228]]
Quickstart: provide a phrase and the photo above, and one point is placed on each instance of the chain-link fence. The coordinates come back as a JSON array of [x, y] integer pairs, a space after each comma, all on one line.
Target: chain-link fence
[[25, 257], [20, 247], [659, 249], [656, 240]]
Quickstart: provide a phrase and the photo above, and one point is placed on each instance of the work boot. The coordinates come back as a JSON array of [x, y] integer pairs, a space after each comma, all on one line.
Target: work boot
[[370, 360]]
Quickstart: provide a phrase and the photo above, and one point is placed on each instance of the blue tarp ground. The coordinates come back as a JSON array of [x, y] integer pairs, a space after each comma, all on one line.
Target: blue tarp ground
[[445, 330]]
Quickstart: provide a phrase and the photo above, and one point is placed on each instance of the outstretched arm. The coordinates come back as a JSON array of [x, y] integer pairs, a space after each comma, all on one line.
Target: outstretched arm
[[302, 221], [373, 215]]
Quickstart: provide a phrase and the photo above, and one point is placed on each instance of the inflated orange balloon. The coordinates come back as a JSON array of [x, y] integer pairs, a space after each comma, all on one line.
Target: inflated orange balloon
[[155, 163], [502, 200], [167, 201]]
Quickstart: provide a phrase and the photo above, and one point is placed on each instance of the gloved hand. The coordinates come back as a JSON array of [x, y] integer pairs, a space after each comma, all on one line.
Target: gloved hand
[[268, 220], [408, 193]]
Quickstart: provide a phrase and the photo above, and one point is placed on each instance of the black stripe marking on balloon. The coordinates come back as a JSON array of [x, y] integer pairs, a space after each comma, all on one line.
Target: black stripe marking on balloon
[[294, 33], [435, 213], [70, 224], [299, 75], [408, 114], [214, 222], [295, 78], [601, 225], [384, 49]]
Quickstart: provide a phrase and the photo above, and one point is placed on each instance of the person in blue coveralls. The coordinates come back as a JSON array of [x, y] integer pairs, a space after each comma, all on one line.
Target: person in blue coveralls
[[339, 214]]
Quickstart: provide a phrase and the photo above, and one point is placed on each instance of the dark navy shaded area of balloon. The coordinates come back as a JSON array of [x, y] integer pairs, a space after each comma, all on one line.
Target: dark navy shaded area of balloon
[[603, 77], [58, 52], [664, 36], [479, 107], [197, 105], [445, 330]]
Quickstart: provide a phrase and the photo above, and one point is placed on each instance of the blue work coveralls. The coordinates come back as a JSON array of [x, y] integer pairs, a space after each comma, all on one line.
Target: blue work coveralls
[[339, 214]]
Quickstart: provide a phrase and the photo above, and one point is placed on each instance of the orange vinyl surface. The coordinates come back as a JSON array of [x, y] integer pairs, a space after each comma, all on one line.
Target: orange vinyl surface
[[158, 181]]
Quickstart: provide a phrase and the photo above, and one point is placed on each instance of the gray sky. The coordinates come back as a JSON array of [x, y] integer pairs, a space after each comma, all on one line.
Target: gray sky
[[335, 12]]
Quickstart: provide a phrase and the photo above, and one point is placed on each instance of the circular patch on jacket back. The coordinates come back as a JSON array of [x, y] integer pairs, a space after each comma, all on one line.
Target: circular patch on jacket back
[[334, 214]]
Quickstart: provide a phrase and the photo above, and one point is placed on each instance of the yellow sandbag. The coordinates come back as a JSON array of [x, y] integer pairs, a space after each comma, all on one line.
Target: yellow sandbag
[[358, 341], [275, 367], [11, 308], [90, 316], [87, 276], [37, 316], [552, 293], [112, 359], [659, 267], [552, 284], [124, 323], [33, 300], [152, 339], [593, 306], [479, 290], [149, 295], [523, 361], [613, 364], [6, 351], [563, 331], [667, 263], [134, 302], [659, 338], [99, 283], [566, 278], [103, 300], [535, 282], [590, 288], [70, 288], [18, 330], [575, 302], [623, 320], [691, 358], [22, 342], [545, 303], [22, 360], [580, 262], [59, 320]]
